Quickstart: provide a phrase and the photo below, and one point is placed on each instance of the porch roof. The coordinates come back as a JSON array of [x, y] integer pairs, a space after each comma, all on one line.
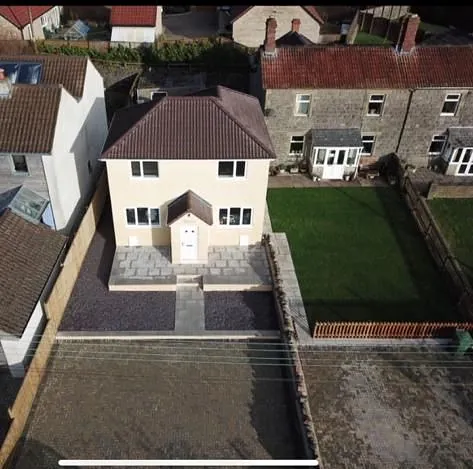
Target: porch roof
[[460, 137], [336, 138], [189, 202]]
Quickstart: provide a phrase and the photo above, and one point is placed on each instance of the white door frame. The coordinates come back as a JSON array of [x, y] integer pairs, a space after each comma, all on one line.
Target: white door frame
[[189, 239], [336, 169]]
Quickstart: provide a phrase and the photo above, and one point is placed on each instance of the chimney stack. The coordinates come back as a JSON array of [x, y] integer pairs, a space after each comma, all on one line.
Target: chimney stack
[[296, 23], [270, 40], [407, 34]]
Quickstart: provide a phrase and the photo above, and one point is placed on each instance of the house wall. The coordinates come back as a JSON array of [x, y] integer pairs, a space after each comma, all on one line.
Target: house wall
[[177, 177], [8, 31], [334, 109], [202, 237], [133, 34], [250, 29], [159, 22], [17, 351]]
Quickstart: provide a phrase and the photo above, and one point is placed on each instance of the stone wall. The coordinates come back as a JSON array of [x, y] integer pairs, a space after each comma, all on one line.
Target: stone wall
[[450, 191]]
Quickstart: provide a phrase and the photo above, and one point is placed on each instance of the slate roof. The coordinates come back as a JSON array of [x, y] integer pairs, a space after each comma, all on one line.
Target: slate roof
[[293, 38], [19, 15], [28, 119], [28, 253], [143, 15], [240, 10], [190, 202], [217, 123], [336, 138], [68, 71], [361, 67], [460, 136]]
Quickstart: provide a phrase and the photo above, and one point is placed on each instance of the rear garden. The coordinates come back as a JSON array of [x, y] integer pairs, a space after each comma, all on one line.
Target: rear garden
[[455, 218], [359, 255]]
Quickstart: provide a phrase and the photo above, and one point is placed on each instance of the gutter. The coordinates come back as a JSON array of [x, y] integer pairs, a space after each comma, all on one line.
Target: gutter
[[411, 93]]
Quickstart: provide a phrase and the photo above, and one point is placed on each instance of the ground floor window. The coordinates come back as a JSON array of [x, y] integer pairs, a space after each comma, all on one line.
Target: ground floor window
[[142, 216], [335, 156], [19, 164], [437, 144], [368, 144], [462, 159], [235, 216], [296, 145]]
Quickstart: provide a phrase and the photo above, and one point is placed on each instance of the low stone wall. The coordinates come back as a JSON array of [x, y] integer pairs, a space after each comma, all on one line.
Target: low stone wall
[[450, 191], [289, 338]]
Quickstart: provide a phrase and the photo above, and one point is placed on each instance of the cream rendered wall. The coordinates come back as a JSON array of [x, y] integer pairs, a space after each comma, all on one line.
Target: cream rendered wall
[[250, 29], [159, 22], [133, 34], [8, 30], [202, 238], [177, 177], [16, 350]]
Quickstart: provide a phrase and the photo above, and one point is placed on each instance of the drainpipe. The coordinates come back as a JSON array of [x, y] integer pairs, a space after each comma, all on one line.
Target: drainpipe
[[411, 93], [32, 32]]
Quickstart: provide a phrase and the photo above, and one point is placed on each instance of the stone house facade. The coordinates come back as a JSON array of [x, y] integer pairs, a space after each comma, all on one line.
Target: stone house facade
[[407, 100]]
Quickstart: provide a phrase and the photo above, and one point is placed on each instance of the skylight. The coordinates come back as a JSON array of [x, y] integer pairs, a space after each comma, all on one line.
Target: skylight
[[28, 205], [27, 73]]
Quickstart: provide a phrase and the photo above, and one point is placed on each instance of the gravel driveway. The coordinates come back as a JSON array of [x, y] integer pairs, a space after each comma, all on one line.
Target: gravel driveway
[[92, 307]]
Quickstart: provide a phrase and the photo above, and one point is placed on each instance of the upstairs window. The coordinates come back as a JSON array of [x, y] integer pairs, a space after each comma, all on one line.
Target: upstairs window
[[368, 144], [296, 145], [376, 104], [19, 164], [302, 105], [147, 169], [231, 169], [450, 105], [142, 216], [437, 144]]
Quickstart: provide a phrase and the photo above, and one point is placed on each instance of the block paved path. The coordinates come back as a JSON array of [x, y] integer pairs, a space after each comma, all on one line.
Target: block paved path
[[190, 308]]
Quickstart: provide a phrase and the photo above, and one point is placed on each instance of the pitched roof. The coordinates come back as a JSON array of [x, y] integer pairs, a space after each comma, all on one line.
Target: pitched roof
[[460, 136], [144, 15], [20, 16], [68, 71], [28, 118], [293, 38], [239, 11], [189, 202], [336, 137], [28, 253], [217, 123], [360, 67]]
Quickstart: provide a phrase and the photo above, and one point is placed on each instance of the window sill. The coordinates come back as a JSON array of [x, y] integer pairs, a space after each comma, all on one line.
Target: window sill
[[18, 174], [373, 115], [301, 115], [447, 114], [231, 178], [234, 226], [144, 177], [139, 227]]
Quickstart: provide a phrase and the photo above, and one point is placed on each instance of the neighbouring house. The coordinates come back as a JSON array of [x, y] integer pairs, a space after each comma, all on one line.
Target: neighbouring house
[[136, 24], [30, 256], [53, 126], [155, 82], [410, 100], [189, 172], [28, 22]]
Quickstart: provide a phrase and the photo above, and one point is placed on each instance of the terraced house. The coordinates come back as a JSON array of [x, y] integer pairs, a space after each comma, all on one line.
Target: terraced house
[[339, 107]]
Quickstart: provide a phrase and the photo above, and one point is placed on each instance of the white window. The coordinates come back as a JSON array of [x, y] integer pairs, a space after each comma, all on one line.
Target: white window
[[235, 216], [437, 144], [142, 216], [19, 164], [463, 160], [231, 169], [296, 145], [157, 95], [147, 169], [376, 104], [368, 144], [450, 105], [302, 105]]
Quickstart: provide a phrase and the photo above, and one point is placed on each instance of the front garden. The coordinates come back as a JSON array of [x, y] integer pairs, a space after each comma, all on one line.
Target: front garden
[[359, 255]]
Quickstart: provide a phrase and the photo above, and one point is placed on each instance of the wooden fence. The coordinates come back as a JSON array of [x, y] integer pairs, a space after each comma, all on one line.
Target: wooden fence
[[387, 330], [54, 309]]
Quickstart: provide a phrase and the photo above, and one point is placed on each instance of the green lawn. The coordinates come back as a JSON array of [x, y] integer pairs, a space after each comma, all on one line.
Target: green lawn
[[455, 217], [359, 256], [371, 39]]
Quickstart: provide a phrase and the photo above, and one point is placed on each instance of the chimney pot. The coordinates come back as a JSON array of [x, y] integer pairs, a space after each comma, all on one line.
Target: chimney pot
[[270, 40], [296, 23], [408, 33]]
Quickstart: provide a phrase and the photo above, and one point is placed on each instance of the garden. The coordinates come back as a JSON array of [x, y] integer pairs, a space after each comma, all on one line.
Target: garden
[[359, 256]]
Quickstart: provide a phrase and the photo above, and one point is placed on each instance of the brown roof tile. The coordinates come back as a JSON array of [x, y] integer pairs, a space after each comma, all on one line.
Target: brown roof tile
[[20, 15], [28, 253], [28, 119], [68, 71], [218, 123], [133, 15], [360, 67], [190, 202]]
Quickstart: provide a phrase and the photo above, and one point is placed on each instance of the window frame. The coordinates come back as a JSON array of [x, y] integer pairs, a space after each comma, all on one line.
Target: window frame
[[291, 141], [143, 225], [234, 171], [241, 224], [437, 138], [373, 143], [142, 175], [446, 100], [460, 152], [378, 101], [14, 170], [300, 101]]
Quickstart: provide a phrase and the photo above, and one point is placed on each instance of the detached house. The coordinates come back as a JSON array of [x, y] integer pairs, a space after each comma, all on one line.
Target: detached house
[[28, 22], [52, 128], [136, 24], [339, 107], [189, 172]]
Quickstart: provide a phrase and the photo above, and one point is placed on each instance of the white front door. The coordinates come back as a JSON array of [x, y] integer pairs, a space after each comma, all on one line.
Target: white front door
[[188, 243], [334, 164]]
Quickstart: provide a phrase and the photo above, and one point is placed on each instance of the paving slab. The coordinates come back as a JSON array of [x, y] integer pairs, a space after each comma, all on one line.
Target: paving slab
[[190, 316]]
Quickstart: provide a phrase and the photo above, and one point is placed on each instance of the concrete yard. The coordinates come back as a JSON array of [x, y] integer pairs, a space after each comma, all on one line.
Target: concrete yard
[[391, 408], [161, 400]]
